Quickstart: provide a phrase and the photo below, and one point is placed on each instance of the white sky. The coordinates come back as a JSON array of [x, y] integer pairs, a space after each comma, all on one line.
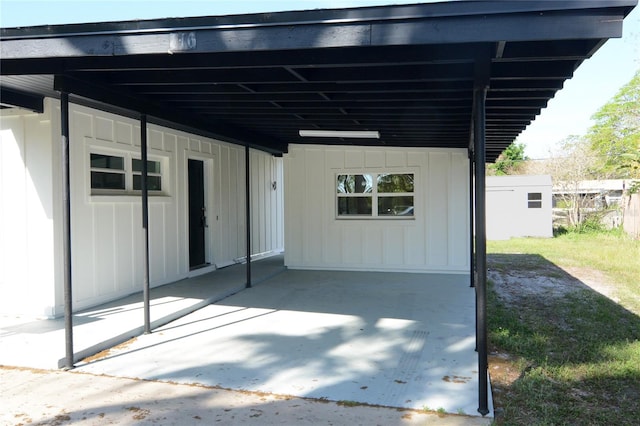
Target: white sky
[[569, 113]]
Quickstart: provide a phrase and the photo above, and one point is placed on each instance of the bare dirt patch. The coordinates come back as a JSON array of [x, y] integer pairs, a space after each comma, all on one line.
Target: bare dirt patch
[[514, 283], [594, 279]]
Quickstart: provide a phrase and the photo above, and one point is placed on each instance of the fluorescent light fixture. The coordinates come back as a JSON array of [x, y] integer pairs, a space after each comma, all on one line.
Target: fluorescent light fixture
[[356, 134]]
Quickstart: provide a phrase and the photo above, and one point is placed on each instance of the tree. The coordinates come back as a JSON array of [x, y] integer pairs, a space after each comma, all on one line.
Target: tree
[[615, 136], [574, 162], [510, 161]]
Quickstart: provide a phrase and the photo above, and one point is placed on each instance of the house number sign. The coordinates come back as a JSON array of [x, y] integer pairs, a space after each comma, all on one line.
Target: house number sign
[[180, 42]]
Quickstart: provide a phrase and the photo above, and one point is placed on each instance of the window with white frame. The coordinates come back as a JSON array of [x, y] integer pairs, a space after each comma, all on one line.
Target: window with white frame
[[375, 195], [122, 174]]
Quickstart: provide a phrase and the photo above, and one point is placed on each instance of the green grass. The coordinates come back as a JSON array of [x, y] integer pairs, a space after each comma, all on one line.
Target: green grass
[[578, 355]]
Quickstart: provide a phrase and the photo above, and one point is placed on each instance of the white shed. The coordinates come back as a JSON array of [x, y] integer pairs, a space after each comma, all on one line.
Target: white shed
[[519, 206]]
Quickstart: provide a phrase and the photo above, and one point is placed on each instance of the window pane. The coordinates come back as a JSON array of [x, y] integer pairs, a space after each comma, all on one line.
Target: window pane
[[355, 184], [395, 206], [154, 183], [103, 180], [389, 183], [100, 161], [152, 166], [535, 204], [354, 206], [534, 196]]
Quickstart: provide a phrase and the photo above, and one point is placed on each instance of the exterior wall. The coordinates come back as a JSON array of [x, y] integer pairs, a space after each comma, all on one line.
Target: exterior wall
[[106, 231], [435, 240], [508, 212], [27, 213]]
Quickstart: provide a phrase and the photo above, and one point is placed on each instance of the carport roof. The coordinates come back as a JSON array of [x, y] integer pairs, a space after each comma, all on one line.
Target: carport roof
[[407, 71]]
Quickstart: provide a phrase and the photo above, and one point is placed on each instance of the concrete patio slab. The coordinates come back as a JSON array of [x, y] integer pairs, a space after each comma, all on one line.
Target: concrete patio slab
[[389, 339], [40, 343]]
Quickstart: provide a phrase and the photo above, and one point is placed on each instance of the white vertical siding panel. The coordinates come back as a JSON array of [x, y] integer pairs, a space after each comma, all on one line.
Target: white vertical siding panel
[[206, 147], [83, 255], [352, 241], [123, 235], [332, 246], [14, 260], [313, 221], [223, 224], [27, 212], [268, 206], [178, 181], [414, 244], [396, 159], [40, 213], [255, 207], [295, 212], [270, 200], [241, 203], [375, 159], [438, 209], [273, 211], [138, 246], [354, 159], [155, 139], [171, 247], [124, 133], [235, 212], [422, 200], [104, 129], [170, 143], [103, 234], [13, 182], [280, 203], [459, 211], [393, 241], [157, 241], [212, 200], [262, 205], [418, 158], [373, 246], [335, 158]]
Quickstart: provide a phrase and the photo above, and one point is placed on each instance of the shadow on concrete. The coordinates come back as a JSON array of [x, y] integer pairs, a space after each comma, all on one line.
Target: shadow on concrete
[[389, 339], [40, 343]]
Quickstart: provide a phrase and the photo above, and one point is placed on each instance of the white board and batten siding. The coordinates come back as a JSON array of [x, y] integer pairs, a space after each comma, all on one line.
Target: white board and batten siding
[[106, 232], [435, 240], [28, 164]]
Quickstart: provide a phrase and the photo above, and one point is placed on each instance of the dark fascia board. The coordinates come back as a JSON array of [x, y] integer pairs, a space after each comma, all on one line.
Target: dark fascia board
[[289, 58], [18, 99], [318, 16], [377, 26]]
